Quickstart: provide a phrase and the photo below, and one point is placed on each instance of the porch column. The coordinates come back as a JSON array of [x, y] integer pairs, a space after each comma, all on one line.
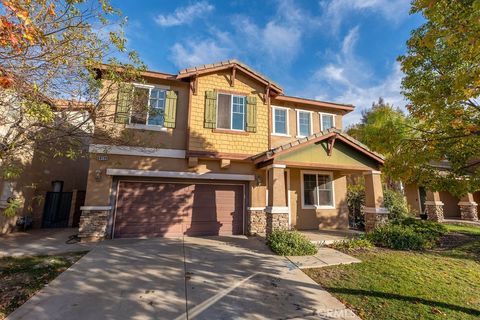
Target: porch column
[[277, 208], [468, 208], [434, 206], [375, 213]]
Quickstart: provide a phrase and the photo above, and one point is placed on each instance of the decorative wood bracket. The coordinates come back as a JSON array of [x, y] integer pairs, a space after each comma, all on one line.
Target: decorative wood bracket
[[330, 144], [266, 99], [232, 76], [194, 85]]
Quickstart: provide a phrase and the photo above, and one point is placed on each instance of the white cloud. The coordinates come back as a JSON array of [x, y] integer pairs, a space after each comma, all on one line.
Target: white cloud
[[184, 15], [335, 11], [348, 79], [275, 41], [197, 53]]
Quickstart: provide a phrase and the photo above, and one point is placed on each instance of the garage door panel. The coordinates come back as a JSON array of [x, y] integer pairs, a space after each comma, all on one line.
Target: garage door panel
[[172, 209]]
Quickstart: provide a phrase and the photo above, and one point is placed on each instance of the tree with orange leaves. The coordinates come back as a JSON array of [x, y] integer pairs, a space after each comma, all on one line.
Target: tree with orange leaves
[[49, 51]]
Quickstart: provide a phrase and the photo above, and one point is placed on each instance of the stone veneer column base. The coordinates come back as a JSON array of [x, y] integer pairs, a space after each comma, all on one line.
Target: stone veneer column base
[[277, 219], [468, 211], [256, 221], [375, 217], [93, 224], [434, 210]]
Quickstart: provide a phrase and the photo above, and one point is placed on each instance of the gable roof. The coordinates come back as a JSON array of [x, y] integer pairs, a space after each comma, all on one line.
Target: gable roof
[[276, 89], [222, 65], [317, 137]]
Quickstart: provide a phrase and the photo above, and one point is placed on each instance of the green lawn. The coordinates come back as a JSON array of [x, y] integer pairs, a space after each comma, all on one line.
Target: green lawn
[[439, 284], [21, 278]]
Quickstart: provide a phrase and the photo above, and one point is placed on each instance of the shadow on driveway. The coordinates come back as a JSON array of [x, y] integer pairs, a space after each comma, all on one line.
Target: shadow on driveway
[[219, 278]]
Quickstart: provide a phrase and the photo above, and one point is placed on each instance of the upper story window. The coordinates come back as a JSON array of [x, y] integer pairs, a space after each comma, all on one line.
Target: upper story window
[[304, 123], [280, 121], [149, 106], [317, 190], [231, 112], [327, 121]]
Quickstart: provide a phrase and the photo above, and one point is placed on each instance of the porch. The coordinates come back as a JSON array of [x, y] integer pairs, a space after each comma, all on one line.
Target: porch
[[305, 186]]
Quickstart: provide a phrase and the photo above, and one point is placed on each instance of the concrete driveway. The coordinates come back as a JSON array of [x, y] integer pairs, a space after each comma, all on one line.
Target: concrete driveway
[[41, 242], [201, 278]]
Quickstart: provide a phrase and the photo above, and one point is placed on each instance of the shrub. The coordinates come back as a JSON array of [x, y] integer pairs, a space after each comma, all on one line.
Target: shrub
[[352, 244], [355, 203], [396, 204], [290, 243], [408, 234], [399, 237], [431, 230]]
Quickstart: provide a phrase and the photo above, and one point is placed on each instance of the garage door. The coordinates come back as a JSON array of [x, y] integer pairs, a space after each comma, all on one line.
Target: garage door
[[148, 209]]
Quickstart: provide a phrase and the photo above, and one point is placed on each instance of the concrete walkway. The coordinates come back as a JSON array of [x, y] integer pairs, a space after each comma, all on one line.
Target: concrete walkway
[[325, 257], [206, 278], [40, 242], [325, 237]]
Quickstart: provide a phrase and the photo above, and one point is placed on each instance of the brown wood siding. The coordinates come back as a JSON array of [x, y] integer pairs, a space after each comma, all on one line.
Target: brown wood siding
[[149, 209]]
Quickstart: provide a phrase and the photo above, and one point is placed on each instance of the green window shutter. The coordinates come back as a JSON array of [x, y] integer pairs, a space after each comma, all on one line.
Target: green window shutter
[[210, 109], [251, 114], [124, 103], [170, 109]]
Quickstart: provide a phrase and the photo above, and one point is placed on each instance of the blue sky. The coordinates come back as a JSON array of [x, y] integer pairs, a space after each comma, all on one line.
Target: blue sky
[[334, 50]]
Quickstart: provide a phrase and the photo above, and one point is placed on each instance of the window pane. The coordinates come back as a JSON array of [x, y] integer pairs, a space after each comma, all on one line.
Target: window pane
[[324, 198], [238, 113], [325, 194], [327, 121], [140, 106], [280, 121], [223, 111], [309, 184], [304, 123], [157, 107]]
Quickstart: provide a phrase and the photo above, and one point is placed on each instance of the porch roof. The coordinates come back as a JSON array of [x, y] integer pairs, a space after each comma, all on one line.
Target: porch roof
[[330, 135]]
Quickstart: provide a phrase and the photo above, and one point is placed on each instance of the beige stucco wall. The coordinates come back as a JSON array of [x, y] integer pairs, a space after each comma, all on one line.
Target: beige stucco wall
[[304, 219], [98, 192], [204, 139], [450, 205], [412, 196], [36, 180], [109, 132]]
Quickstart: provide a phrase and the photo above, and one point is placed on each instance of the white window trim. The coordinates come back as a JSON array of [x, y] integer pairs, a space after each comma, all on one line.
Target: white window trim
[[146, 126], [287, 121], [231, 111], [327, 114], [330, 173], [298, 122]]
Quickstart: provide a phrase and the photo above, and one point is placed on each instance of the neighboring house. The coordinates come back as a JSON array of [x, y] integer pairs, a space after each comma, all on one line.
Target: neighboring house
[[220, 149], [440, 205], [50, 189]]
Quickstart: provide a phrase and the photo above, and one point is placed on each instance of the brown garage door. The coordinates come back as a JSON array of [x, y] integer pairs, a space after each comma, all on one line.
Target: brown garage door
[[148, 209]]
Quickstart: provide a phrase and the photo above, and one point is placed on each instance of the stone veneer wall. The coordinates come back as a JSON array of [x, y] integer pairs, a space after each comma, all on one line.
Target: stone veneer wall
[[435, 212], [256, 222], [469, 211], [93, 225], [374, 219], [276, 221]]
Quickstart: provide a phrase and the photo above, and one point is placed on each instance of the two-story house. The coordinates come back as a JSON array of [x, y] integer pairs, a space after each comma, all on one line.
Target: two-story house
[[218, 150]]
